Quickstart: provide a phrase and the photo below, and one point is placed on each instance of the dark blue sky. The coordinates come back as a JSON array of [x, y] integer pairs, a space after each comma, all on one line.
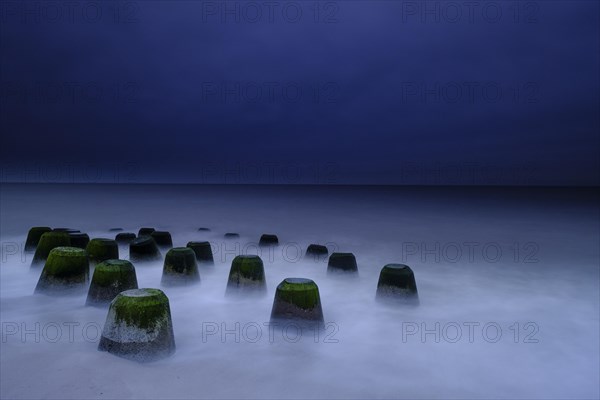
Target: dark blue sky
[[375, 92]]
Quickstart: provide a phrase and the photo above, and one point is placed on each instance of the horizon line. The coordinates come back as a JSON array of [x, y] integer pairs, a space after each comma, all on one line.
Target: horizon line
[[490, 185]]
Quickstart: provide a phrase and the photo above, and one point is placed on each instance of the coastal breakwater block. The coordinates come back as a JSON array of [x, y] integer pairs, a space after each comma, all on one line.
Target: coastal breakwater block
[[34, 235], [100, 249], [297, 299], [79, 239], [203, 252], [180, 267], [138, 326], [125, 238], [342, 263], [163, 239], [316, 252], [110, 278], [397, 285], [144, 248], [268, 240], [246, 276], [145, 232], [66, 271], [49, 241]]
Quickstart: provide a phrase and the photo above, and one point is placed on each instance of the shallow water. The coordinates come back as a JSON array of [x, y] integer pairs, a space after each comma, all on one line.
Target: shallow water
[[508, 283]]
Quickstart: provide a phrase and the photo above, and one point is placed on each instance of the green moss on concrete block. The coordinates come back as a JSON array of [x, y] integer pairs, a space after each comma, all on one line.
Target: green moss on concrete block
[[247, 275], [138, 326], [144, 308], [145, 232], [180, 267], [144, 248], [397, 284], [34, 235], [110, 278], [49, 241], [125, 237], [66, 270], [342, 262], [297, 299], [79, 239], [100, 249], [268, 240], [163, 239], [203, 252]]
